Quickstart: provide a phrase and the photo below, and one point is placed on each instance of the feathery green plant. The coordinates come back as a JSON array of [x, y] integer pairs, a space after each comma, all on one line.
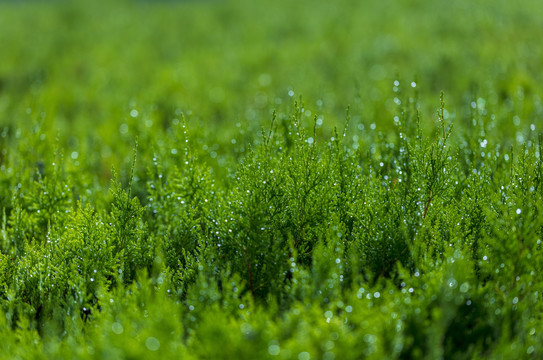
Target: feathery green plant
[[379, 232]]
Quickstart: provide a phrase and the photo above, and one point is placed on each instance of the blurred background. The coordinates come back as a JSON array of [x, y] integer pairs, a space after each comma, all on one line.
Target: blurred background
[[94, 75]]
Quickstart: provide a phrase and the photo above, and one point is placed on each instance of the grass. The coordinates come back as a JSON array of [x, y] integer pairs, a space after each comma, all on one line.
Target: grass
[[230, 179]]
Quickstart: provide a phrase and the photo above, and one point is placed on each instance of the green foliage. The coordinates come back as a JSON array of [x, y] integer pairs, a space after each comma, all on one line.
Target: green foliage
[[255, 223]]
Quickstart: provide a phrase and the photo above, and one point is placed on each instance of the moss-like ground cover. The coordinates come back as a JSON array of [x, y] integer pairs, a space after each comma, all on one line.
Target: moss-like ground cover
[[294, 180]]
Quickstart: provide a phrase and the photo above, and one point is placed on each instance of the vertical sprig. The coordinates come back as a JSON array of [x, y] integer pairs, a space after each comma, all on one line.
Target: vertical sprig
[[437, 162]]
